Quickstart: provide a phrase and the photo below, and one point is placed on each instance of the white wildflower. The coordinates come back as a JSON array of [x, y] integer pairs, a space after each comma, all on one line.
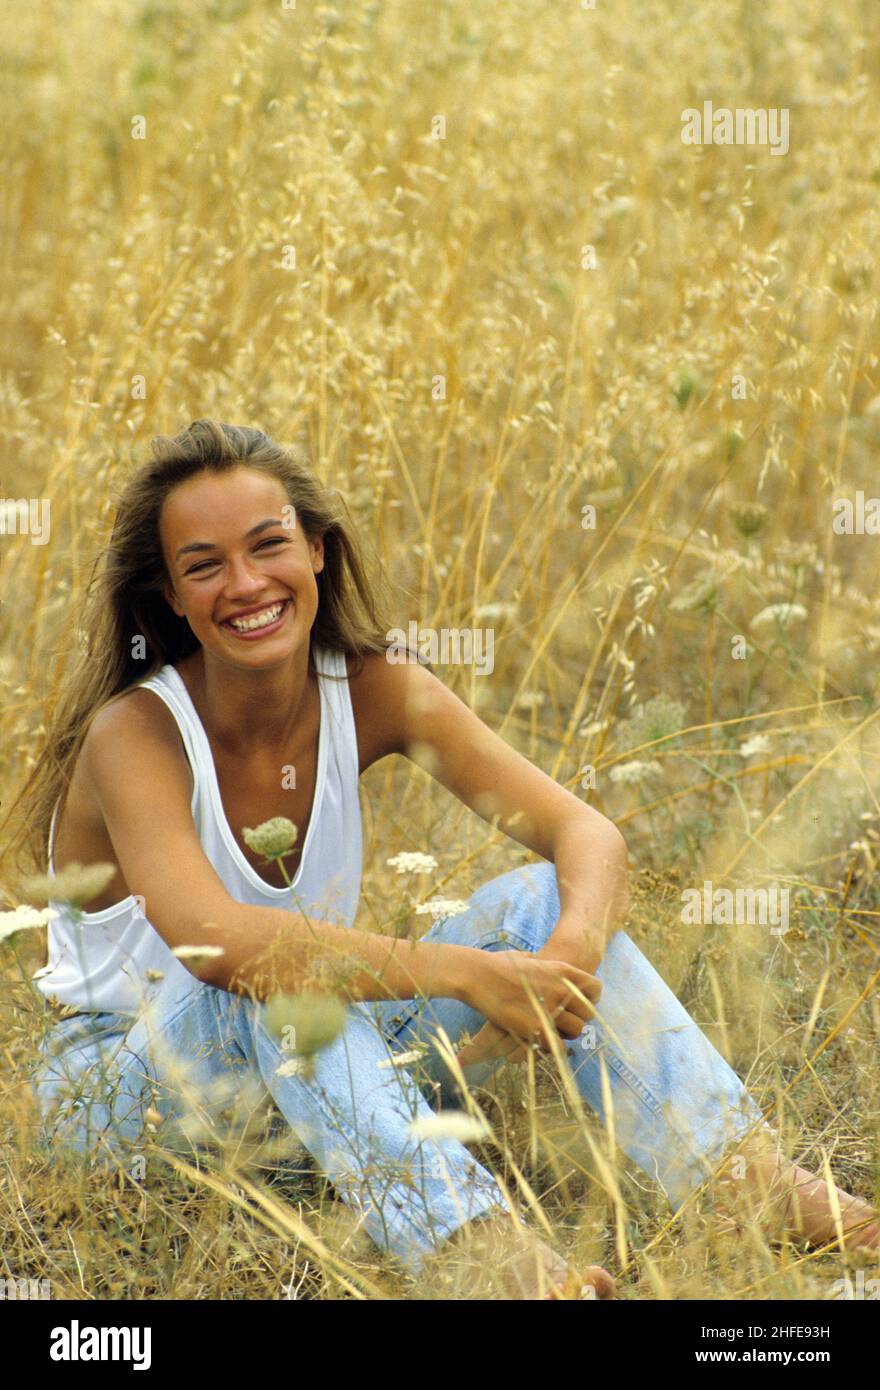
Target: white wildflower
[[782, 614], [297, 1066], [758, 743], [272, 838], [702, 592], [402, 1059], [451, 1124], [23, 917], [310, 1021], [196, 953], [76, 883], [632, 772], [412, 863], [442, 907], [496, 610], [531, 699]]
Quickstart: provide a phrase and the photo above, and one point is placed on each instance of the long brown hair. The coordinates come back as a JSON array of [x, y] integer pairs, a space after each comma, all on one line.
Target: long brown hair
[[124, 599]]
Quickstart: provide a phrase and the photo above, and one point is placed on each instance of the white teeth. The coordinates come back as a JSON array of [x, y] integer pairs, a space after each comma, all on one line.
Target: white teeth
[[269, 615]]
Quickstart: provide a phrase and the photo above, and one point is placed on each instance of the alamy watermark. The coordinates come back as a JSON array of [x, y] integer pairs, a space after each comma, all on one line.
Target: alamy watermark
[[29, 1289], [445, 646], [862, 1289], [76, 1343], [741, 126], [740, 906], [860, 517], [26, 516]]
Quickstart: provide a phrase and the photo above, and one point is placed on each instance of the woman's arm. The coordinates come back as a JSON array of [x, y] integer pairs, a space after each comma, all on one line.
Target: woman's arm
[[424, 720], [269, 950], [265, 949]]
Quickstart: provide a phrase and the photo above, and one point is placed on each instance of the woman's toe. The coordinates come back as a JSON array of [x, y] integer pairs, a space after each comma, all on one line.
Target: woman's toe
[[593, 1283], [598, 1278]]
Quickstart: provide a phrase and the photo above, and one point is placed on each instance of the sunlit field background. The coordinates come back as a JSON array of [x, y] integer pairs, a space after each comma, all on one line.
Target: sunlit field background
[[472, 379]]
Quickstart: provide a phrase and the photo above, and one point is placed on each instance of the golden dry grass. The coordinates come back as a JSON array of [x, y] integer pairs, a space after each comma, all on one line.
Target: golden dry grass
[[152, 282]]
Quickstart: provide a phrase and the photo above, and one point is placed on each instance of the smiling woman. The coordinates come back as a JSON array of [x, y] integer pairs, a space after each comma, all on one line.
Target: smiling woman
[[234, 635]]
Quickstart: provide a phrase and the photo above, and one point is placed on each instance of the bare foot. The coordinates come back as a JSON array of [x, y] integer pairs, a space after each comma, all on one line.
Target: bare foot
[[788, 1200], [529, 1269]]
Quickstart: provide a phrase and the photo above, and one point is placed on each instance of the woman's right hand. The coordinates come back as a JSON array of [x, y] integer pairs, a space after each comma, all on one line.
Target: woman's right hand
[[509, 987]]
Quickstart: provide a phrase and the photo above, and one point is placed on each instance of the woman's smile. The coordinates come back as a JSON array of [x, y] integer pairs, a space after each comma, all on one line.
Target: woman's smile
[[261, 623]]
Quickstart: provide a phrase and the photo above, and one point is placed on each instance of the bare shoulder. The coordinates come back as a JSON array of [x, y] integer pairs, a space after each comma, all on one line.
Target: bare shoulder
[[367, 685], [134, 721], [391, 701], [129, 800], [132, 713]]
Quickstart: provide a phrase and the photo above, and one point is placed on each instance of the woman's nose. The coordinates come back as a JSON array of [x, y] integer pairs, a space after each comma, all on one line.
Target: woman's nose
[[243, 577]]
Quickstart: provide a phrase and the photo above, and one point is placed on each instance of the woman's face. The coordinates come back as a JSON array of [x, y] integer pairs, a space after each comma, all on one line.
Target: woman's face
[[234, 550]]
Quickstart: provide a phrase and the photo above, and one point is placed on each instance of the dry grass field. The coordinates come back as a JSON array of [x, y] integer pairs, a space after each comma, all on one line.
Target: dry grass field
[[583, 384]]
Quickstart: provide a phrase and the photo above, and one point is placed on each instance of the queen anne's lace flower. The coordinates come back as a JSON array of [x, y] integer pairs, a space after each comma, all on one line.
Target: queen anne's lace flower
[[402, 1059], [195, 953], [442, 907], [451, 1124], [77, 884], [632, 772], [412, 863], [758, 743], [659, 718], [23, 917], [273, 838], [305, 1022]]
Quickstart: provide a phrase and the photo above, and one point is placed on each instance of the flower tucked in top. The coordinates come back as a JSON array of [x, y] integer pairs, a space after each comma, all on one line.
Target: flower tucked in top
[[273, 838]]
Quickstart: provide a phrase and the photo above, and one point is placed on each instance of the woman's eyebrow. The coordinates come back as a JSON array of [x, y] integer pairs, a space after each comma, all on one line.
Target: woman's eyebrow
[[212, 545]]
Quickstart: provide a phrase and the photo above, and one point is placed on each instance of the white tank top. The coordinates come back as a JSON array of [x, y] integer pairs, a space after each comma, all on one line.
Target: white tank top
[[114, 959]]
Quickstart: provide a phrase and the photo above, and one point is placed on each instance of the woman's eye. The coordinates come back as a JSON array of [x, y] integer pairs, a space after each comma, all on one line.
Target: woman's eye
[[270, 540]]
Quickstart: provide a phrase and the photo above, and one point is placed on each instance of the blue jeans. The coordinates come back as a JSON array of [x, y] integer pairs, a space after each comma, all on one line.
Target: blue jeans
[[677, 1107]]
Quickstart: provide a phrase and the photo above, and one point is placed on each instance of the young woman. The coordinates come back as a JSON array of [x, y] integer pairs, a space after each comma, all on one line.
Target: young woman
[[236, 672]]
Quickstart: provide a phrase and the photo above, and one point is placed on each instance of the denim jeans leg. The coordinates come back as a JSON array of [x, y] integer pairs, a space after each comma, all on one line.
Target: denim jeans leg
[[676, 1105], [354, 1115], [92, 1091], [190, 1056]]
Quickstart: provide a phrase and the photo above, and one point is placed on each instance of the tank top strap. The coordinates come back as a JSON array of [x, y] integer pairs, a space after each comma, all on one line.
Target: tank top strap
[[167, 684], [331, 662]]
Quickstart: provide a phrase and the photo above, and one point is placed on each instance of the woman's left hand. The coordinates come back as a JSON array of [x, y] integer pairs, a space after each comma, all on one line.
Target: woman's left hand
[[569, 942]]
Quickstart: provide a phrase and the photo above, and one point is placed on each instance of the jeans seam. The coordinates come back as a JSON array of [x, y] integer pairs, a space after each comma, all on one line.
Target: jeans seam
[[633, 1080], [685, 1140]]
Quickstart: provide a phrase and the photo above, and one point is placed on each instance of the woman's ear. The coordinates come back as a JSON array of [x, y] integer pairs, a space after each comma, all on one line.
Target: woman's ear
[[317, 549]]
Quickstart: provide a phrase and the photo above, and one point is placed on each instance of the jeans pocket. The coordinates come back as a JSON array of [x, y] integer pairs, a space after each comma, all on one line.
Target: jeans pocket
[[505, 939], [404, 1016]]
